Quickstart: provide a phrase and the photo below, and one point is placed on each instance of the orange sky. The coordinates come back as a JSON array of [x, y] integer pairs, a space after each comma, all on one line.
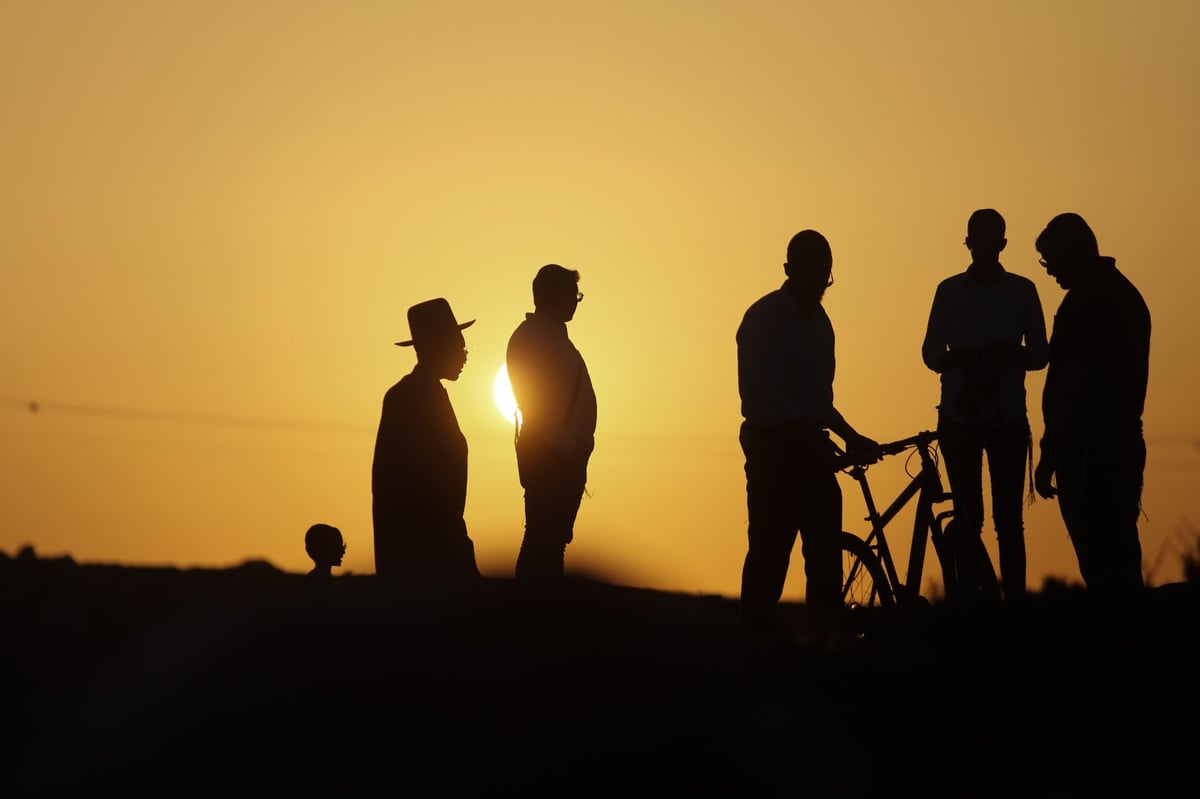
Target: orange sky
[[216, 214]]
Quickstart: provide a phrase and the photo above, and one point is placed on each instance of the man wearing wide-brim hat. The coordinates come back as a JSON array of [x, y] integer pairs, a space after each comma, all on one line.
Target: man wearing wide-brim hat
[[419, 471]]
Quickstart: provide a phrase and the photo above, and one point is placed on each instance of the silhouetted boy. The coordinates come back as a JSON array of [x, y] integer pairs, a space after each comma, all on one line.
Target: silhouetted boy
[[325, 545]]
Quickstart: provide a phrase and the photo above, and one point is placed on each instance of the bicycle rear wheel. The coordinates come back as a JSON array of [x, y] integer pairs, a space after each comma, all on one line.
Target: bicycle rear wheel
[[864, 582]]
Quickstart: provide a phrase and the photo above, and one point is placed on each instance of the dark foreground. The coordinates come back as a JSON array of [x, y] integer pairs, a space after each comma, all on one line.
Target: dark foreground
[[240, 681]]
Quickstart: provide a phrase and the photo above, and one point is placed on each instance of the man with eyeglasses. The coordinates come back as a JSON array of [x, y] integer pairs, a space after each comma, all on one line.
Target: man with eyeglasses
[[556, 424], [785, 362], [1093, 451]]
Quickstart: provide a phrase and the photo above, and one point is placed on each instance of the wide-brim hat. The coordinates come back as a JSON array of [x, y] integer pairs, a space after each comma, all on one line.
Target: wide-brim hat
[[430, 321]]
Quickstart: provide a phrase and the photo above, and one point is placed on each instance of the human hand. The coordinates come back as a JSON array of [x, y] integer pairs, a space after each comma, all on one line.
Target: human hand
[[1043, 479], [862, 448]]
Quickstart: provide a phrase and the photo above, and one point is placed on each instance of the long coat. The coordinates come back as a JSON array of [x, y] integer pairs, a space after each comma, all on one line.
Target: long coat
[[419, 485]]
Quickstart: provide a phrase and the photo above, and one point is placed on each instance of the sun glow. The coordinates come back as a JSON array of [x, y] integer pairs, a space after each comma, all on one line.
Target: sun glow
[[506, 403]]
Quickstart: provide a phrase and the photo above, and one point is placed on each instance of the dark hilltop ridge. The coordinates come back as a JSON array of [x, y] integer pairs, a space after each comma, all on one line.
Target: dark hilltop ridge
[[173, 681]]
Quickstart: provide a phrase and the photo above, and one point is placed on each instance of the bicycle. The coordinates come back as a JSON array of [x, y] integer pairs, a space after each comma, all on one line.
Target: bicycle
[[870, 577]]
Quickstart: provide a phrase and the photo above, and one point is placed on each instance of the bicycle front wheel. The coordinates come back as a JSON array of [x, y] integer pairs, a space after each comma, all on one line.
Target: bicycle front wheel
[[864, 582]]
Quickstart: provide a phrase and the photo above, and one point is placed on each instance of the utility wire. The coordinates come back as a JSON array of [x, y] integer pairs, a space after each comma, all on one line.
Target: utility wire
[[186, 417], [36, 406]]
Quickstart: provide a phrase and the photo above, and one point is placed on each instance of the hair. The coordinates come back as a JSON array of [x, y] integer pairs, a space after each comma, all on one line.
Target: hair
[[809, 265], [986, 226], [808, 249], [1069, 234], [553, 281], [320, 540]]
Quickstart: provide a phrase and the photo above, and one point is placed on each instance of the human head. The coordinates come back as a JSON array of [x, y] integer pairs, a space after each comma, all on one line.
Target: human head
[[985, 234], [437, 337], [324, 544], [1068, 248], [556, 291], [809, 265]]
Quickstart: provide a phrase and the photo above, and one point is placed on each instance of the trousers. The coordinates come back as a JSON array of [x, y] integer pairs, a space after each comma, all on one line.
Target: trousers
[[1008, 447], [1099, 495], [791, 489], [554, 486]]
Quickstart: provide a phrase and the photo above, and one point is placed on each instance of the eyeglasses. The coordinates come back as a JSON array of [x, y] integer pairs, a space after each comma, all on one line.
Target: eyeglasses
[[830, 281], [1043, 263], [579, 296]]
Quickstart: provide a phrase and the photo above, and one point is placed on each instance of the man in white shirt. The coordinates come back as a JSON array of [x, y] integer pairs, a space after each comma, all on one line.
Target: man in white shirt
[[785, 351]]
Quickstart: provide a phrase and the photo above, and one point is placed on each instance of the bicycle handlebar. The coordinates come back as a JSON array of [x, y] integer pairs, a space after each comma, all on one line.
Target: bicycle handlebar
[[924, 438], [844, 460]]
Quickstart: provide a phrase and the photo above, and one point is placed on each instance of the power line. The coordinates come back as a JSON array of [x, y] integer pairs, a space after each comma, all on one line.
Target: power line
[[188, 417], [185, 417]]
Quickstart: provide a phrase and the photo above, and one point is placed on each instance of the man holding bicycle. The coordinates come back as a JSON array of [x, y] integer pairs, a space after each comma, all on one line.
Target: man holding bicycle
[[785, 352]]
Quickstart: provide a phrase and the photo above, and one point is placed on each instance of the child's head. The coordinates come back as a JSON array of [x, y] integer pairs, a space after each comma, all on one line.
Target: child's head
[[324, 545]]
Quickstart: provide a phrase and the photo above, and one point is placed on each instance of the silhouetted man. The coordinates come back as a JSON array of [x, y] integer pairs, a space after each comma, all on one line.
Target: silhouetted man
[[557, 407], [986, 330], [419, 472], [1093, 453], [785, 359]]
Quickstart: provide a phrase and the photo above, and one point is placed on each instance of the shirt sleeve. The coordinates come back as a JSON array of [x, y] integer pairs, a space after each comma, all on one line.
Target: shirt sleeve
[[758, 365], [1037, 350], [933, 348]]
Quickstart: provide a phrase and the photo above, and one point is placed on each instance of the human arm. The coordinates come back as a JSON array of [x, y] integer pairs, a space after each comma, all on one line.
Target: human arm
[[763, 370], [1043, 477], [1037, 350], [855, 443], [1062, 401], [934, 350]]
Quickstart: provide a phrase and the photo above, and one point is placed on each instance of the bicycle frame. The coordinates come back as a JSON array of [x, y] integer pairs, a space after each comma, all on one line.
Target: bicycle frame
[[929, 524]]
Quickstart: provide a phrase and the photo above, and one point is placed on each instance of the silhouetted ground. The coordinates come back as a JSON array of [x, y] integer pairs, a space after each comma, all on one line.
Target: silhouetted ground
[[246, 680]]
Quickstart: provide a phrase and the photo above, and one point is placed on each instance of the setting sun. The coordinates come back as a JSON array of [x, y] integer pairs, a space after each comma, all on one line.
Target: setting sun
[[506, 403]]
